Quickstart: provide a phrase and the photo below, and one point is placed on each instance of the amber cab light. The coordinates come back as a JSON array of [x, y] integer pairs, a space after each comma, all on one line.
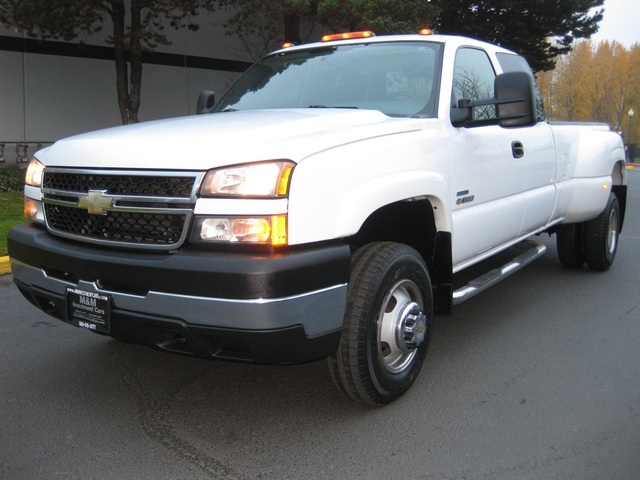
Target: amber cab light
[[347, 36]]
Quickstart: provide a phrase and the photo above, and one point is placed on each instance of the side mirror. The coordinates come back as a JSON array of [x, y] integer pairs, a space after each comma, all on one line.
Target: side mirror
[[515, 99], [206, 101]]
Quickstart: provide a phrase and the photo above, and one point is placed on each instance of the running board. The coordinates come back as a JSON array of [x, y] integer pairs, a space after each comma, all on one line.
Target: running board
[[489, 279]]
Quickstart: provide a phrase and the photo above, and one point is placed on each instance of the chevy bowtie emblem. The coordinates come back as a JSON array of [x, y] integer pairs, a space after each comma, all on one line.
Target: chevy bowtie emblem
[[96, 202]]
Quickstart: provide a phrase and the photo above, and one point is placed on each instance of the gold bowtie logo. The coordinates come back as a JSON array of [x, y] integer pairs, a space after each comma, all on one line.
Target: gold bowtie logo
[[96, 202]]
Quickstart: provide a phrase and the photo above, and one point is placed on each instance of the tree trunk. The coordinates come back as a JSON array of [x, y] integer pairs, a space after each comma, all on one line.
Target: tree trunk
[[120, 54], [292, 29], [128, 59], [135, 60]]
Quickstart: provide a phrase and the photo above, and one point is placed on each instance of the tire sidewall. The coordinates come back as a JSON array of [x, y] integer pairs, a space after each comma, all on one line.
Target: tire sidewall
[[570, 245]]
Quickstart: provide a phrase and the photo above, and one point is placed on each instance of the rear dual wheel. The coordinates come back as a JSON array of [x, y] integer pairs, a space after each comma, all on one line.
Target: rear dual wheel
[[601, 236], [594, 242], [387, 325], [570, 245]]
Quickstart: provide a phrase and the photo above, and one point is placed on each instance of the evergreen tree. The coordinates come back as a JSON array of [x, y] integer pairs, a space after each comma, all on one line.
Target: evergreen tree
[[538, 29], [265, 24]]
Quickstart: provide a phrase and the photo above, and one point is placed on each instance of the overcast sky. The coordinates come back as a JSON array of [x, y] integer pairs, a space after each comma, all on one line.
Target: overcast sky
[[621, 22]]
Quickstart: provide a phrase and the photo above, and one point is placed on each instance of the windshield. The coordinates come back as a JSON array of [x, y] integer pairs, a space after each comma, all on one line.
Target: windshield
[[396, 78]]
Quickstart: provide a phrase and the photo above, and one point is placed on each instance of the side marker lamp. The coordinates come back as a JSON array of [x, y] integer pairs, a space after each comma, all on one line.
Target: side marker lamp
[[33, 210]]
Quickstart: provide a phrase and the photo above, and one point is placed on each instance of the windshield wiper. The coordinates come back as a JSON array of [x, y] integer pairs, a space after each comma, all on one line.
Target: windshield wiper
[[325, 106]]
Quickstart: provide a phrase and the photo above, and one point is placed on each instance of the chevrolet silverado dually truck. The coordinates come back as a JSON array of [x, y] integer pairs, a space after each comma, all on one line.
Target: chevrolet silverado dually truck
[[322, 208]]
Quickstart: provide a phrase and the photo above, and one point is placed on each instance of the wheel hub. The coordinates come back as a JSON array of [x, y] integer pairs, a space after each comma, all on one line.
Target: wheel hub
[[411, 328], [402, 326]]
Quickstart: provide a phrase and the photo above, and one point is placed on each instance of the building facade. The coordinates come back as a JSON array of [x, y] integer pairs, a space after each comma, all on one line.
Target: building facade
[[53, 89]]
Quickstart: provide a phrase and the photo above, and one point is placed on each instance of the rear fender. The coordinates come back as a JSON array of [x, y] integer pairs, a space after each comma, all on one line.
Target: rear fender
[[598, 153]]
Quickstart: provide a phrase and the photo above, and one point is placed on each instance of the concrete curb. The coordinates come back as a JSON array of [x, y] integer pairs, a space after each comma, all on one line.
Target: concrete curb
[[5, 266]]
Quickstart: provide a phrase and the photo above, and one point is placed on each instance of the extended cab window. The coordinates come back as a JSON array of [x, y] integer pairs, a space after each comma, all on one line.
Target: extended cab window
[[396, 78], [473, 78]]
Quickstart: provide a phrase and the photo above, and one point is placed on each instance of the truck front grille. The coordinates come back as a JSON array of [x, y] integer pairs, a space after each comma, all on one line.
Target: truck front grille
[[119, 184], [139, 228], [130, 209]]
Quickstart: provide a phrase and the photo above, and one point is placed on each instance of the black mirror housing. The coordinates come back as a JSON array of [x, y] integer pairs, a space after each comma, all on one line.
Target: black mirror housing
[[206, 101], [515, 100]]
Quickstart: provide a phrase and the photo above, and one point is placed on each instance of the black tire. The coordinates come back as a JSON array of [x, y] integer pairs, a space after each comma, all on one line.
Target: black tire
[[601, 236], [570, 245], [387, 325]]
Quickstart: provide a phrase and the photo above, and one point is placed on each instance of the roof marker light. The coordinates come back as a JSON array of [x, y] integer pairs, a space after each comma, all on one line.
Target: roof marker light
[[288, 45], [347, 36], [426, 31]]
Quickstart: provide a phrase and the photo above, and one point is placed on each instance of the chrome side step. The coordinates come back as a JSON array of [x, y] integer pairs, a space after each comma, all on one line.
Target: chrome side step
[[489, 279]]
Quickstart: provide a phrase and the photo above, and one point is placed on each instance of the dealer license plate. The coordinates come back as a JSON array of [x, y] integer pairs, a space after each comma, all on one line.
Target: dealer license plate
[[89, 309]]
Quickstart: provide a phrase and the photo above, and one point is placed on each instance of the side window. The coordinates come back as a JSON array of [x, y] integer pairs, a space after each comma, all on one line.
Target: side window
[[515, 63], [473, 78]]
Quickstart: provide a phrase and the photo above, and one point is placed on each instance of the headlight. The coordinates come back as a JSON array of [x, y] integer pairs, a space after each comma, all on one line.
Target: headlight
[[270, 230], [34, 174], [266, 179]]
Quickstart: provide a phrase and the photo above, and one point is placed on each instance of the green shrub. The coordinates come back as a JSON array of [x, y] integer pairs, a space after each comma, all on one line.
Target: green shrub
[[10, 215], [11, 179]]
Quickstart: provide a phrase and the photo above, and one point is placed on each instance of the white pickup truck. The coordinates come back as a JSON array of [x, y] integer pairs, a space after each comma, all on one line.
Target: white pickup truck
[[323, 207]]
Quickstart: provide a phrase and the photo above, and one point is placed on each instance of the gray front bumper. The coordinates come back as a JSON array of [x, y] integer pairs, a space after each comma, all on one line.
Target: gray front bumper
[[284, 307]]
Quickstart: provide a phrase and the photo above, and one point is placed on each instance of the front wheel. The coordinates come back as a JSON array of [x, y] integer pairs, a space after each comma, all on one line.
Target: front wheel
[[387, 325]]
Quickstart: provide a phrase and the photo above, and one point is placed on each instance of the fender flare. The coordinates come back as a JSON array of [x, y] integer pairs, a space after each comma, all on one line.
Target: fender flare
[[365, 198]]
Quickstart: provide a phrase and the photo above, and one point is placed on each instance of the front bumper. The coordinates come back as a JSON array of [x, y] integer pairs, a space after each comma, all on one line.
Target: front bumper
[[263, 308]]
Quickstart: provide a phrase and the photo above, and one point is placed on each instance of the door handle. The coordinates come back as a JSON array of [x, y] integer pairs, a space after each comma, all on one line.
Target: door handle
[[517, 149]]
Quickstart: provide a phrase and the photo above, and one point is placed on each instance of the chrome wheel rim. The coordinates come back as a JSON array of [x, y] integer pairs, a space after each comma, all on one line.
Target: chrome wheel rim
[[612, 234], [402, 326]]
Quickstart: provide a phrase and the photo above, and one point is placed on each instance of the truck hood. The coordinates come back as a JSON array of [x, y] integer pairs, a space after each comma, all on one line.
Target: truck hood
[[208, 141]]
